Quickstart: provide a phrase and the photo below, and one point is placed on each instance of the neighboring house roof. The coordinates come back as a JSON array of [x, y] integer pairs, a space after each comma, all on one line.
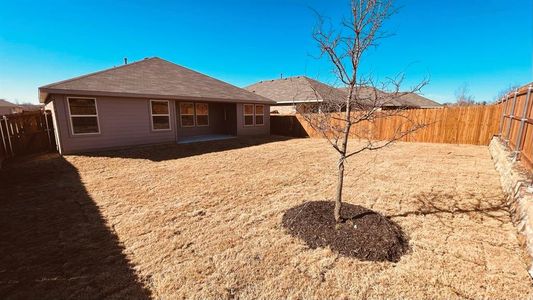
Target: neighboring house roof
[[5, 103], [31, 107], [415, 100], [370, 94], [152, 78], [296, 89], [301, 89], [409, 100]]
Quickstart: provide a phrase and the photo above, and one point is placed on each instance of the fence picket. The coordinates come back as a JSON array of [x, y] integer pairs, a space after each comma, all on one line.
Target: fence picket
[[25, 133]]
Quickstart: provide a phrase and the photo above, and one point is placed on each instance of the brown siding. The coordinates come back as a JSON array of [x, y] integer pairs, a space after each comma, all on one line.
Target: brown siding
[[252, 130], [123, 122]]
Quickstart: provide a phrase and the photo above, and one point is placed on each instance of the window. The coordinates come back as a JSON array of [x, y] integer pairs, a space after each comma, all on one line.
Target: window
[[187, 114], [160, 115], [202, 114], [83, 116], [259, 114], [254, 114], [248, 115], [192, 114]]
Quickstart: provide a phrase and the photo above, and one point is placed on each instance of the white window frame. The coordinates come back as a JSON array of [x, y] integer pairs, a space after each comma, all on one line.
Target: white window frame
[[196, 114], [255, 114], [70, 115], [193, 115], [246, 115], [152, 115]]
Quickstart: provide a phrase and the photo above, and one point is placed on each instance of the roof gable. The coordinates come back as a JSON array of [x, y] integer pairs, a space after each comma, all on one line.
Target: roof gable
[[152, 77]]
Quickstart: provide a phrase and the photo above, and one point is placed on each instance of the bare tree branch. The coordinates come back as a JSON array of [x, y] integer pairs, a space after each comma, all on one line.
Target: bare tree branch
[[364, 102]]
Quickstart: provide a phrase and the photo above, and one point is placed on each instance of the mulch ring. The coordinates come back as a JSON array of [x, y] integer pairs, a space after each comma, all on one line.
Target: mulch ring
[[365, 234]]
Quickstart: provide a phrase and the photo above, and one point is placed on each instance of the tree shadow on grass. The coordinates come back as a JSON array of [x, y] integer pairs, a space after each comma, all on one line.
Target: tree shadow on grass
[[54, 243], [175, 151], [439, 203]]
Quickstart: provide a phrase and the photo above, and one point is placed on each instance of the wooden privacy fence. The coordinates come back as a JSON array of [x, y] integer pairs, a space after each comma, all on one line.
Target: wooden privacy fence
[[26, 133], [288, 125], [454, 125], [516, 124]]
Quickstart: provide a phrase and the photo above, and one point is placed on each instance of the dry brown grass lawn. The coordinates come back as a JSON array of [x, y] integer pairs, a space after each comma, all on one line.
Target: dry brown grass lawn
[[209, 225]]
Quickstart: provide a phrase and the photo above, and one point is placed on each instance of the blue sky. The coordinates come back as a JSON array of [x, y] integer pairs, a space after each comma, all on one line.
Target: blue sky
[[486, 44]]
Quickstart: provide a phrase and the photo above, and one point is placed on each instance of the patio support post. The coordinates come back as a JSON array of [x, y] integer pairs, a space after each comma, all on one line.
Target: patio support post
[[511, 117], [520, 138]]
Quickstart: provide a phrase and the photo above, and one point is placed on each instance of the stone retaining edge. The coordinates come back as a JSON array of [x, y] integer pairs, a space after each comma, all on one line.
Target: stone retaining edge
[[519, 190]]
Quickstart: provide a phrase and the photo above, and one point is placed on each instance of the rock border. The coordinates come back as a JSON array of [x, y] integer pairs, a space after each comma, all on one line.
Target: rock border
[[517, 184]]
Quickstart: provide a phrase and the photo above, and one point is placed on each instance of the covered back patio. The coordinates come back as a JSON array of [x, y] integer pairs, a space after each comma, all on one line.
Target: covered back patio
[[205, 121]]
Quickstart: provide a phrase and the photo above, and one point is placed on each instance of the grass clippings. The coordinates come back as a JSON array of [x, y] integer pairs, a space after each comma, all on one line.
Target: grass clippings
[[364, 234], [205, 222]]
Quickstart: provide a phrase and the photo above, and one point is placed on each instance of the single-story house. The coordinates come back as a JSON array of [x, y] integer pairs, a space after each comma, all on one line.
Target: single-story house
[[147, 102], [301, 93], [7, 108]]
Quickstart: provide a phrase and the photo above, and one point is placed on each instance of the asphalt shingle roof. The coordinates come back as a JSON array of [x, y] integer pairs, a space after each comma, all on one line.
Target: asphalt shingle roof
[[294, 89], [152, 77], [304, 89], [5, 103], [416, 100]]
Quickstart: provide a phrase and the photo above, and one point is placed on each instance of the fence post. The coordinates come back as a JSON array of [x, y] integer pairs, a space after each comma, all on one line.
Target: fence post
[[3, 137], [506, 111], [511, 117], [504, 108], [9, 138], [523, 120]]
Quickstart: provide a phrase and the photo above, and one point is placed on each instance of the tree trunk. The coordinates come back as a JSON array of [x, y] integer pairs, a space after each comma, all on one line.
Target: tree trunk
[[338, 197], [344, 148]]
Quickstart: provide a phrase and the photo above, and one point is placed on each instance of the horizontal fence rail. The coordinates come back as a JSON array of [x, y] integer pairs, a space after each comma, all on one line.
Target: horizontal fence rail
[[516, 124], [26, 133], [454, 125]]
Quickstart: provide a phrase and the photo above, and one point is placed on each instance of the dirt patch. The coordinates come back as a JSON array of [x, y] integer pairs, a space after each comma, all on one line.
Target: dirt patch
[[366, 234]]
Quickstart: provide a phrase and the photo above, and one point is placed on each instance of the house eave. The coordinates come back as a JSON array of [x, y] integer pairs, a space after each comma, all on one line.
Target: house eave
[[299, 101], [45, 92]]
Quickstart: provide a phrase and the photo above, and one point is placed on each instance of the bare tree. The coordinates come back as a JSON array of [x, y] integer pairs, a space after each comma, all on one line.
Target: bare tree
[[463, 97], [364, 102], [506, 91]]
